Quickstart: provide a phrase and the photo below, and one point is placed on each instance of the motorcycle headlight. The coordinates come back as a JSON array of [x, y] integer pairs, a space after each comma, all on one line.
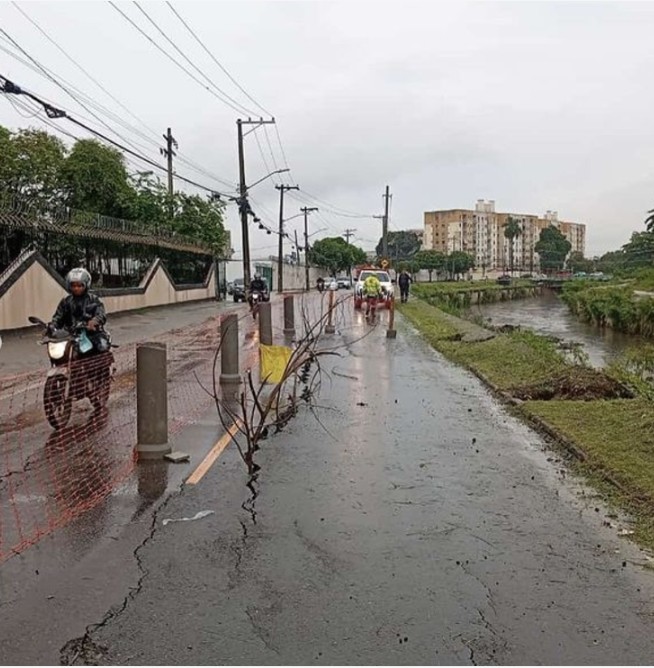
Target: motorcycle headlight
[[57, 349]]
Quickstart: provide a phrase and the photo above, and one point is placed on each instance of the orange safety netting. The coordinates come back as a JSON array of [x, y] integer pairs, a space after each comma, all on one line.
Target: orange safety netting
[[50, 477]]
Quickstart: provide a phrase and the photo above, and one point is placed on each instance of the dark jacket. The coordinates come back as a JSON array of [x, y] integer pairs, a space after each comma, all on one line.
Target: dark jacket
[[73, 310], [404, 280], [258, 285]]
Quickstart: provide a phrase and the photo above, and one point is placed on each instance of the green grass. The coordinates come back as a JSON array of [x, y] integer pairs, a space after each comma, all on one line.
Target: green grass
[[616, 436], [431, 322], [506, 361]]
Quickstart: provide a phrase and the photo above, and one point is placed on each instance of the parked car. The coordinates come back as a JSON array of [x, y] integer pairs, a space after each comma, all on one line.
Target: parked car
[[238, 290], [343, 283], [504, 279]]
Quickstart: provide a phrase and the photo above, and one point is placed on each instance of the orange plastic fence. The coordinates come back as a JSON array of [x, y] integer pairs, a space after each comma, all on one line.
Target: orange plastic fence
[[50, 477]]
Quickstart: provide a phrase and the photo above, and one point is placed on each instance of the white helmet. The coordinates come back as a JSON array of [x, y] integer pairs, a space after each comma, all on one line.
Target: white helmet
[[78, 275]]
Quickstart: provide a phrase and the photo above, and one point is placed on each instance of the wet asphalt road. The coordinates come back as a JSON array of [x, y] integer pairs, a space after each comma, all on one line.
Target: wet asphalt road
[[419, 524], [20, 352]]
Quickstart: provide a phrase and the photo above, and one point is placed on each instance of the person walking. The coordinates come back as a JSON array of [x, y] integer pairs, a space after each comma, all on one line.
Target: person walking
[[404, 281]]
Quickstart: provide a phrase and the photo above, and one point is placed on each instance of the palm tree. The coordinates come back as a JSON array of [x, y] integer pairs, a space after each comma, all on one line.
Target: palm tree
[[649, 221], [512, 230]]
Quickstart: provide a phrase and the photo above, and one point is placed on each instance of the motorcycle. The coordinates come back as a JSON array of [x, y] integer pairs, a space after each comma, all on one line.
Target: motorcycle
[[254, 304], [75, 374]]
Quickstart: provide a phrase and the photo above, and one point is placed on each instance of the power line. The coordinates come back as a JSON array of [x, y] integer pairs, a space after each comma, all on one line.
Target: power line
[[8, 87], [272, 154], [190, 62], [215, 60], [79, 67], [54, 80], [238, 108], [49, 74], [331, 208]]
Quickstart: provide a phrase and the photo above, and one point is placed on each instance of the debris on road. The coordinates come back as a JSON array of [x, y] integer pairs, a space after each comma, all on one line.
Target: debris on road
[[198, 516]]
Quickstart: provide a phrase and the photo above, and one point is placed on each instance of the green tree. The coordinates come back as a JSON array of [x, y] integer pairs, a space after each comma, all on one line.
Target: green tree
[[30, 166], [649, 221], [335, 254], [552, 248], [402, 245], [611, 262], [201, 219], [512, 230], [94, 178], [639, 251], [459, 262], [431, 260], [578, 263]]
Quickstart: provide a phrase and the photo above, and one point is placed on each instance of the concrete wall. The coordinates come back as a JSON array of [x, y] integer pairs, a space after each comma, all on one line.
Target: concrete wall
[[32, 287], [294, 277]]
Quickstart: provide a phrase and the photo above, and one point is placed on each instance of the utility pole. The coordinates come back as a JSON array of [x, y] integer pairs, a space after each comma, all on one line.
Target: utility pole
[[348, 233], [243, 205], [280, 260], [385, 225], [168, 152], [307, 210]]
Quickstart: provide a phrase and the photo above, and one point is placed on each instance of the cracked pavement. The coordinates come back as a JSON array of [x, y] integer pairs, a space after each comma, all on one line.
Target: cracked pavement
[[416, 523], [430, 527]]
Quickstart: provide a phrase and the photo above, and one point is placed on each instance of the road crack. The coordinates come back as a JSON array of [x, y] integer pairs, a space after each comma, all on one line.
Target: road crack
[[85, 647]]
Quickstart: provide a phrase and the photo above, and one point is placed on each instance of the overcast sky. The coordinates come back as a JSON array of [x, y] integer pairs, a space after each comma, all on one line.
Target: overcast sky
[[535, 105]]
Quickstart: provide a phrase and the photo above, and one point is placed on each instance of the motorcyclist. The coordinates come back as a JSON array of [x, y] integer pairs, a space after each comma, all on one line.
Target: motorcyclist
[[372, 291], [81, 306], [257, 284], [320, 284]]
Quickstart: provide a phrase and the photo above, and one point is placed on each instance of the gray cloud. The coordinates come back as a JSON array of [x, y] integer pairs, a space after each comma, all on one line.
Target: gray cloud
[[535, 105]]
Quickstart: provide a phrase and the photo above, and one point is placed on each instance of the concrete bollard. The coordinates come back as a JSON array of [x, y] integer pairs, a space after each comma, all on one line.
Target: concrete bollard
[[152, 401], [265, 324], [390, 332], [289, 316], [330, 329], [230, 376]]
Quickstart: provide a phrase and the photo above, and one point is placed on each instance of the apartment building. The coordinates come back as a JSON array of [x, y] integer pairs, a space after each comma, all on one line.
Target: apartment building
[[480, 233]]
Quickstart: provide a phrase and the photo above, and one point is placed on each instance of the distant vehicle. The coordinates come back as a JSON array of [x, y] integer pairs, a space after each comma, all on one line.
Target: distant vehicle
[[386, 285], [504, 279], [343, 283], [230, 287], [331, 284], [238, 290]]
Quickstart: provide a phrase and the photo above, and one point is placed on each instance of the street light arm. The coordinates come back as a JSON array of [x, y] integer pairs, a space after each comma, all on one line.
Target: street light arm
[[277, 171]]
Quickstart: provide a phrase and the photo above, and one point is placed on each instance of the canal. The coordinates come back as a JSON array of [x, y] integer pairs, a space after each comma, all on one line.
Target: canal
[[549, 315]]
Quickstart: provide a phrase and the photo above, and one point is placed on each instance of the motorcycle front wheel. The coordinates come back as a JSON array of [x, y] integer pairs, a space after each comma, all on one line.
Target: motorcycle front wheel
[[57, 406]]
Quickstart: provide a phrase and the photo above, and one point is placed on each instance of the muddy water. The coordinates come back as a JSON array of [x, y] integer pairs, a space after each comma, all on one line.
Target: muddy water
[[549, 315]]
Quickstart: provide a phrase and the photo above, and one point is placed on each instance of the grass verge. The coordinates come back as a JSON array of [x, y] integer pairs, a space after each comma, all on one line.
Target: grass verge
[[612, 439]]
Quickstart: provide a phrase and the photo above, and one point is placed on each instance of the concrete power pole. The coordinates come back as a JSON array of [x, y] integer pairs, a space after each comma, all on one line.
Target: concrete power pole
[[168, 152], [243, 205], [280, 260], [348, 233], [307, 210], [387, 197]]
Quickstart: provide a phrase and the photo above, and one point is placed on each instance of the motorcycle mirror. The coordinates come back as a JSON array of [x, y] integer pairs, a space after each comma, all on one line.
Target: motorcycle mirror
[[35, 321]]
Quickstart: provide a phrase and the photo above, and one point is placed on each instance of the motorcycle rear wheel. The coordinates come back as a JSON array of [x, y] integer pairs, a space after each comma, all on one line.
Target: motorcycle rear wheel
[[99, 389], [55, 403]]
